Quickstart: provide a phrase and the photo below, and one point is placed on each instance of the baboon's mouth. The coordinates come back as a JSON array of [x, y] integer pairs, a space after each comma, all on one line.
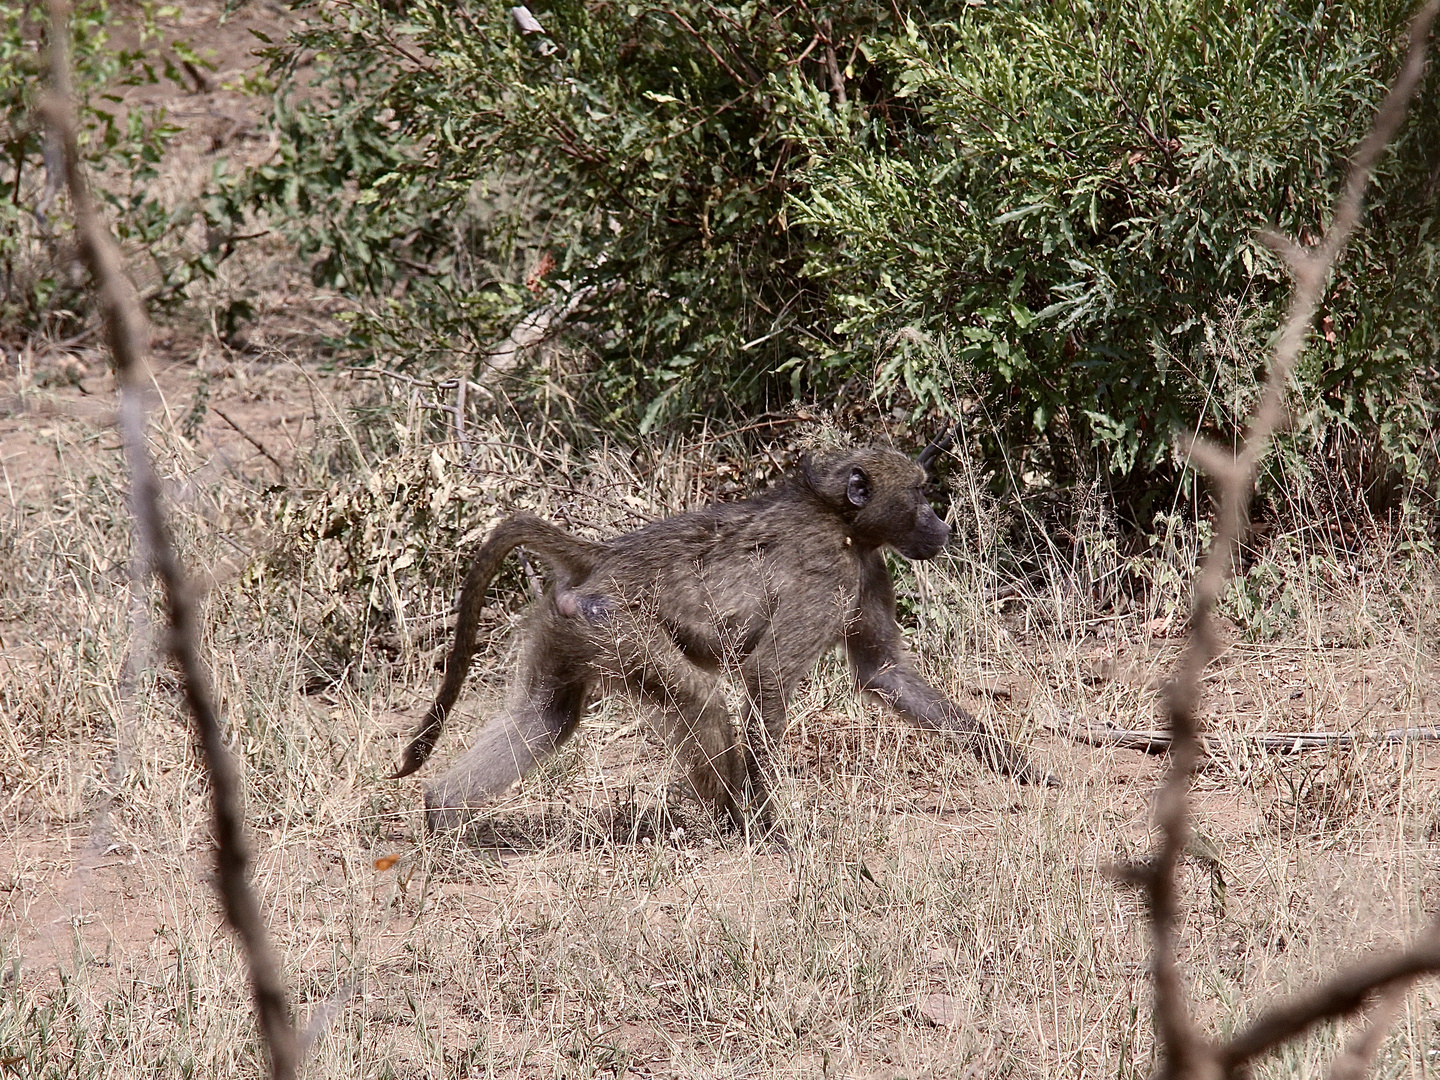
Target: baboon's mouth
[[920, 552]]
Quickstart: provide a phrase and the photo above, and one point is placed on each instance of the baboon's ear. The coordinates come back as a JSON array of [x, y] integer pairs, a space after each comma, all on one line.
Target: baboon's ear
[[857, 491]]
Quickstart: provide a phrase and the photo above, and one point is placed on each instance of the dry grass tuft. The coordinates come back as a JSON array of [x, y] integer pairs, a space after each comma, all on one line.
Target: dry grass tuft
[[935, 920]]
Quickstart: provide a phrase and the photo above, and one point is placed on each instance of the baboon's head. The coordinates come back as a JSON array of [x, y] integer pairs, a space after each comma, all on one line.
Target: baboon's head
[[880, 493]]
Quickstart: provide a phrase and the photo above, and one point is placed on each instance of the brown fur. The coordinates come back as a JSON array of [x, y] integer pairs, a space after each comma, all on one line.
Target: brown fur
[[758, 590]]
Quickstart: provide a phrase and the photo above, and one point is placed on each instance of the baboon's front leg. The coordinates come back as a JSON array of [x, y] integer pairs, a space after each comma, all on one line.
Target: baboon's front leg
[[882, 667]]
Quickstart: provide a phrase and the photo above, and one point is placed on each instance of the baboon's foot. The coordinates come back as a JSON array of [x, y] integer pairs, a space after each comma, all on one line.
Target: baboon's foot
[[770, 836], [444, 812], [757, 824]]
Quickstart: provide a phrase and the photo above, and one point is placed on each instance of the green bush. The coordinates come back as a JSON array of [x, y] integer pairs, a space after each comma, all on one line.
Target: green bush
[[40, 284], [1067, 228], [633, 155], [1041, 216]]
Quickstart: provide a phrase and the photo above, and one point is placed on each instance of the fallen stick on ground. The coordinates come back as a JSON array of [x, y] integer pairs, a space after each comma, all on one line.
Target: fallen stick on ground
[[1157, 741]]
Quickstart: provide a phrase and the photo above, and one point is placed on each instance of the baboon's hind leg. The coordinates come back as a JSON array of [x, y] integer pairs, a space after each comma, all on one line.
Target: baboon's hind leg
[[690, 705], [546, 697], [508, 748]]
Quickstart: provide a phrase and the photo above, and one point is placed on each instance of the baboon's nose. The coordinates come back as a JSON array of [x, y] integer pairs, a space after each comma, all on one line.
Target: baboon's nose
[[938, 532]]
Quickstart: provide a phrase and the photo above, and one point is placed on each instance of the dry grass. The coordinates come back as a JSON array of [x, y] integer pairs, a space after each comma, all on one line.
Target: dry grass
[[934, 920]]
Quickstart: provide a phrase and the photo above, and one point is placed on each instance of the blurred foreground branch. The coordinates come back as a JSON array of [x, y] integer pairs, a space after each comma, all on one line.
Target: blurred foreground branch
[[1186, 1052], [127, 332]]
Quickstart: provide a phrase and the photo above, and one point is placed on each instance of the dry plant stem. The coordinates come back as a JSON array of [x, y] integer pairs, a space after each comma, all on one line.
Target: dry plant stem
[[127, 334], [1353, 1063], [460, 437], [1186, 1053], [250, 439], [1342, 995]]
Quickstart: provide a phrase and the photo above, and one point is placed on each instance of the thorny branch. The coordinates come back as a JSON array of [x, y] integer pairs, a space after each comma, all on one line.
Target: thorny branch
[[1355, 1061], [128, 336], [1186, 1052]]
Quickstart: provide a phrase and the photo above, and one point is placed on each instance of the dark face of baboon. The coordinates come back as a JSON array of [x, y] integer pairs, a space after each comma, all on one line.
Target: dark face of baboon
[[881, 494]]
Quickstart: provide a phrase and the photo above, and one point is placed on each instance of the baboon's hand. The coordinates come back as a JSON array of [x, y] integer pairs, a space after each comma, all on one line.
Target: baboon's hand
[[1033, 774]]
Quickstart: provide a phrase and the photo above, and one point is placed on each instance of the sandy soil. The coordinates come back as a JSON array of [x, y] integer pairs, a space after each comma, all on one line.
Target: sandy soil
[[933, 919]]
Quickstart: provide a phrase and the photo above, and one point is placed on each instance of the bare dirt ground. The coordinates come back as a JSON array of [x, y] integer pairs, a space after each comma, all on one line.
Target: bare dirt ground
[[932, 920]]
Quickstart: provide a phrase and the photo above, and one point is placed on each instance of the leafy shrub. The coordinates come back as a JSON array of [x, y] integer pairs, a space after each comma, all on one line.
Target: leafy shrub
[[1039, 215], [40, 286], [633, 155], [1065, 224]]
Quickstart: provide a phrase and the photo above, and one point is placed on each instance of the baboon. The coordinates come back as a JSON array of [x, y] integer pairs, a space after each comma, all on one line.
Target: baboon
[[756, 590]]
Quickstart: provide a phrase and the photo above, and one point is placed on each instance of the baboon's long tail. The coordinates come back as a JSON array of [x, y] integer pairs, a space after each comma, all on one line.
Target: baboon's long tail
[[561, 551]]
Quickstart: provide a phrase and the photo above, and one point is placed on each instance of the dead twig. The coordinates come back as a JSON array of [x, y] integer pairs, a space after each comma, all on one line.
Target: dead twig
[[832, 62], [128, 336], [1353, 1063], [1158, 741], [1186, 1052], [249, 438], [1342, 995]]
